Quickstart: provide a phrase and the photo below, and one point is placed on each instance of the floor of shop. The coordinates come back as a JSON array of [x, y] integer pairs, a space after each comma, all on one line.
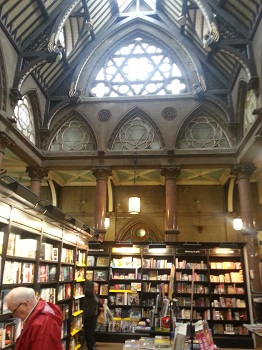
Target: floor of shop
[[119, 346]]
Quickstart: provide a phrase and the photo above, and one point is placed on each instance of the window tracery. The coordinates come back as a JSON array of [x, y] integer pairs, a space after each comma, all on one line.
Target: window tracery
[[139, 67], [204, 132], [137, 134], [23, 114], [73, 136]]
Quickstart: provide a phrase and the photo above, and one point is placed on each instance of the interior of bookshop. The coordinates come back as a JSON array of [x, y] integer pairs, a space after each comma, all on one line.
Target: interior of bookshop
[[131, 174]]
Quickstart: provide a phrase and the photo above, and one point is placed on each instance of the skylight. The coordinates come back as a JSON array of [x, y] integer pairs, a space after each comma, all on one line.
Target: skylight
[[136, 5]]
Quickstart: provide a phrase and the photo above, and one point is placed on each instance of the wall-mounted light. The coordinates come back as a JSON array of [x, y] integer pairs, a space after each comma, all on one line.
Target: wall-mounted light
[[157, 247], [134, 200], [124, 244], [93, 245], [238, 224], [23, 192]]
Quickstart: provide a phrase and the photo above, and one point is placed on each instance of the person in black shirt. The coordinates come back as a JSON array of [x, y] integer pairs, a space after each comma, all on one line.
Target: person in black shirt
[[92, 308]]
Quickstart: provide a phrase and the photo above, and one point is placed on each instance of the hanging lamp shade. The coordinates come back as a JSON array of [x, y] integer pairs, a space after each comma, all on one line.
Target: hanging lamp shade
[[134, 205], [107, 222], [134, 200], [238, 224]]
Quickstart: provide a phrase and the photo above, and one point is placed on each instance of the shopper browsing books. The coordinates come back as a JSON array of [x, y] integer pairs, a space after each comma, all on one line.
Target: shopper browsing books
[[42, 320], [92, 308]]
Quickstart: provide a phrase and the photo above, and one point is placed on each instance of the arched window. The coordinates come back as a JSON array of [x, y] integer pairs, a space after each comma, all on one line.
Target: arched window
[[204, 132], [73, 136], [137, 134], [23, 115], [140, 67], [250, 105]]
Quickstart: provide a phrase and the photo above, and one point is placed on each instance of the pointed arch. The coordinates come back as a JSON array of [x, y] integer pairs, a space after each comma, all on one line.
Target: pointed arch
[[130, 27], [204, 130], [72, 133], [130, 232], [136, 131]]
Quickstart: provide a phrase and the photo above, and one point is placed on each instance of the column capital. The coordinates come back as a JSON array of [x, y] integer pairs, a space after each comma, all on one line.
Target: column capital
[[101, 173], [5, 141], [171, 173], [36, 173], [243, 170]]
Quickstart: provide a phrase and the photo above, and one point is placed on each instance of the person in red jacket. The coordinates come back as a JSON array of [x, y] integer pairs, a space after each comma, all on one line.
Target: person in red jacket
[[42, 320]]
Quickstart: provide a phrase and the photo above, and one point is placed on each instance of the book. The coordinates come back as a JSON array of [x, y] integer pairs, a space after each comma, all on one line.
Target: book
[[12, 272], [133, 299], [100, 275], [48, 294], [55, 254], [121, 299], [28, 272], [90, 260], [102, 261], [46, 251], [103, 289], [89, 275]]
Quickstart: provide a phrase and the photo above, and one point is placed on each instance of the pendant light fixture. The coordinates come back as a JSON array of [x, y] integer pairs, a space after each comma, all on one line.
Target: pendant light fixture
[[134, 200], [238, 224]]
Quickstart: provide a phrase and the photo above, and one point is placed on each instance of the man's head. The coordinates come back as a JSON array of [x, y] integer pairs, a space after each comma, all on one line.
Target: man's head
[[20, 301], [95, 289]]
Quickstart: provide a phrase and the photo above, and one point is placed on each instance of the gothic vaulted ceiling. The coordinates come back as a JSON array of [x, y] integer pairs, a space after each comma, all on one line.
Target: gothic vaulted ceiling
[[53, 38]]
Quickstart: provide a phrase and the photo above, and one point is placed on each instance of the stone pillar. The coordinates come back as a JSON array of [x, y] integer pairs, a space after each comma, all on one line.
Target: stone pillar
[[171, 229], [5, 141], [243, 173], [36, 174], [101, 175]]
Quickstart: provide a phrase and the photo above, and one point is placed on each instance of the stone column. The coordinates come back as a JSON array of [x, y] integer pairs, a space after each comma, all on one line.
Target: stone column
[[101, 175], [243, 173], [171, 229], [5, 141], [36, 174]]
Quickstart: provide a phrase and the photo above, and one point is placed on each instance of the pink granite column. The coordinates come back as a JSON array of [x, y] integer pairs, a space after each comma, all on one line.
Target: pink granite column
[[243, 173], [171, 229], [101, 175], [36, 175]]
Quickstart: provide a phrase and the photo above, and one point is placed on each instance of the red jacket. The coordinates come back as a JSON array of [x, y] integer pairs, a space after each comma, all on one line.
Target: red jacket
[[42, 331]]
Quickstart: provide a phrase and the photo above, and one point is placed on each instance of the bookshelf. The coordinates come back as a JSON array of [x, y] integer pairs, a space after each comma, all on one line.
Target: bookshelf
[[221, 294], [48, 257]]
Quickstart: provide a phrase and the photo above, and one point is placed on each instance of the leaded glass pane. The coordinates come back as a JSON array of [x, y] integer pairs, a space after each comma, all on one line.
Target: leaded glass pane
[[204, 132], [73, 136], [23, 115], [138, 68], [136, 134]]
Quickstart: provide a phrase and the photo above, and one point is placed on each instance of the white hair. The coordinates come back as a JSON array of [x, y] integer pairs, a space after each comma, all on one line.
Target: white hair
[[20, 294]]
